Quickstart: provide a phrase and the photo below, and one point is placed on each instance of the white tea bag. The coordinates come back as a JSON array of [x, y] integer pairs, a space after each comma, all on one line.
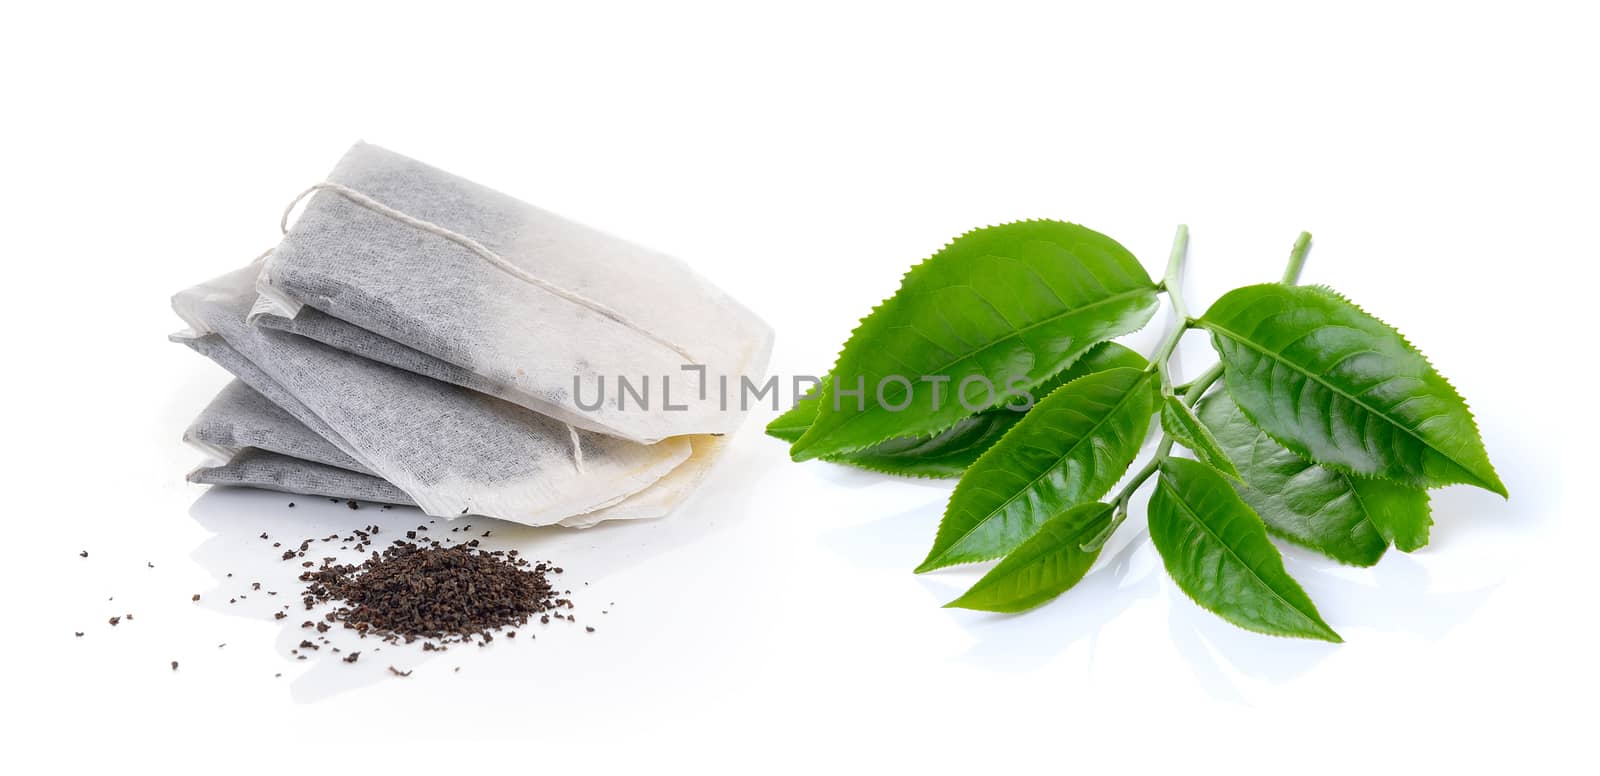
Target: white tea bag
[[526, 305], [240, 420], [254, 468], [453, 451], [656, 501], [668, 493], [331, 331]]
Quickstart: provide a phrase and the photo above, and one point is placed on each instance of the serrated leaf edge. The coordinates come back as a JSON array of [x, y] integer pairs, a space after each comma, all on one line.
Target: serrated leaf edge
[[1189, 444], [824, 393], [851, 458], [1315, 618], [988, 576], [1145, 376], [1471, 419], [1348, 477]]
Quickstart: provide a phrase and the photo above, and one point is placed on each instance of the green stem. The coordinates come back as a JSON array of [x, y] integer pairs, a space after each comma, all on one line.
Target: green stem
[[1195, 389], [1172, 281], [1201, 384], [1297, 259], [1121, 501]]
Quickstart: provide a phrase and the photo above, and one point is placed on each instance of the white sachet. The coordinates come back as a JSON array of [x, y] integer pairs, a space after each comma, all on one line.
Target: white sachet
[[453, 451], [240, 422], [254, 468], [240, 418], [418, 268]]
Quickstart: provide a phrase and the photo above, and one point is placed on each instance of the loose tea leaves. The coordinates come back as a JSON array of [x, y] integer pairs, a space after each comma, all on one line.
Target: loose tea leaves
[[432, 591]]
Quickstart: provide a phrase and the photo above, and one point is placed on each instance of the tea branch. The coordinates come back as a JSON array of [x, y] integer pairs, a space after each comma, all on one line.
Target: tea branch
[[1191, 392]]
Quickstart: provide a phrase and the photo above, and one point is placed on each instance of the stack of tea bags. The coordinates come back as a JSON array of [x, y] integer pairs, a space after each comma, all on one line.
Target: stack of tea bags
[[419, 339]]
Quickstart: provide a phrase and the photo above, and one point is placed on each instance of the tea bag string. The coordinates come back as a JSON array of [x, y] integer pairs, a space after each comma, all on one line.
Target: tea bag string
[[483, 252]]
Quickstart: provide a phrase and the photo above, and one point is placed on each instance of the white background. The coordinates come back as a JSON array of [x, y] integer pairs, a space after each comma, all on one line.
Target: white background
[[803, 156]]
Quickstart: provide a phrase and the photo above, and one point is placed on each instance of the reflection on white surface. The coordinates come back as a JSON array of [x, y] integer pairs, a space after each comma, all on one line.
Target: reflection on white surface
[[1027, 641], [1396, 596]]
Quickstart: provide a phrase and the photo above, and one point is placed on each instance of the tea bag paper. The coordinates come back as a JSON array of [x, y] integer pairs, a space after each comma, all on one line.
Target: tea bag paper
[[270, 471], [549, 314], [240, 420], [453, 451], [331, 331], [667, 494]]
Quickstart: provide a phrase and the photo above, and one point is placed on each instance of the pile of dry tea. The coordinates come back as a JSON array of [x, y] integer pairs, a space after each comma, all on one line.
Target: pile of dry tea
[[432, 591]]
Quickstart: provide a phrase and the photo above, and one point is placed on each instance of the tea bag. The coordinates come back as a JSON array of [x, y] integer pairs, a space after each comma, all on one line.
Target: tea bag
[[270, 471], [239, 423], [421, 269], [451, 450], [661, 498], [331, 331], [240, 418]]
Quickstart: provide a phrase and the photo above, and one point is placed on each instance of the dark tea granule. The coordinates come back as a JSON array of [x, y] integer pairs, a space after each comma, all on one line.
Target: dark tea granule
[[431, 591]]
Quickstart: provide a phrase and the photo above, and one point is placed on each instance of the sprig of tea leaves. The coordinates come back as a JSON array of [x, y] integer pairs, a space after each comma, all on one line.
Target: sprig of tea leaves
[[1329, 431]]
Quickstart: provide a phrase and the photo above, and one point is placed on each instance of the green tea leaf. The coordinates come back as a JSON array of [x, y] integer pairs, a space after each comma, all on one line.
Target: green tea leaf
[[945, 454], [1217, 550], [1344, 389], [1043, 567], [1073, 446], [998, 309], [1310, 505], [1399, 512], [949, 452], [792, 424], [1180, 423]]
